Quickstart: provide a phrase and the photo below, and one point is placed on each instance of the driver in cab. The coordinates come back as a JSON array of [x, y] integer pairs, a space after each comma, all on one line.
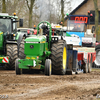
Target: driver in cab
[[3, 27], [76, 28]]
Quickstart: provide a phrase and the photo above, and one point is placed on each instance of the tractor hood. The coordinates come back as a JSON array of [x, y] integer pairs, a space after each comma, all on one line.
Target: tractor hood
[[39, 39], [35, 46]]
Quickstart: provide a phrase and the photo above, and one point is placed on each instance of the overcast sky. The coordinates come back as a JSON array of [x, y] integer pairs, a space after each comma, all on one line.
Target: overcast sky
[[44, 7], [75, 3]]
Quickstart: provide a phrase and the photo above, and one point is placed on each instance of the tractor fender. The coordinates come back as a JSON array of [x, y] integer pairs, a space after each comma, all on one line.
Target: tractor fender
[[20, 38], [11, 42]]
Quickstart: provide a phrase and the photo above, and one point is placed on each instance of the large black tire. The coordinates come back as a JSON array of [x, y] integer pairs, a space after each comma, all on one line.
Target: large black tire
[[85, 69], [90, 65], [17, 69], [97, 49], [77, 67], [58, 57], [21, 54], [12, 52], [48, 67], [93, 29]]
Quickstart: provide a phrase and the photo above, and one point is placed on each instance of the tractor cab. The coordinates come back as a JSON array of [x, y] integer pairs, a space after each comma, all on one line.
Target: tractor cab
[[8, 29], [76, 31], [8, 25], [75, 26]]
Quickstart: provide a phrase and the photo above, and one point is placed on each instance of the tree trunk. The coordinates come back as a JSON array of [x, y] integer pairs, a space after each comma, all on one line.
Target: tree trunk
[[62, 11], [30, 11], [3, 6], [97, 29], [30, 18]]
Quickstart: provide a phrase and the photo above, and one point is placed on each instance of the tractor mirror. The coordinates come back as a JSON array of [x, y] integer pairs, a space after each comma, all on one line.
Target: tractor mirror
[[21, 22]]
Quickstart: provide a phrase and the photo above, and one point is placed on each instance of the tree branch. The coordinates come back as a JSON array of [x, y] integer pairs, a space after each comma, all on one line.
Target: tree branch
[[32, 3], [27, 4]]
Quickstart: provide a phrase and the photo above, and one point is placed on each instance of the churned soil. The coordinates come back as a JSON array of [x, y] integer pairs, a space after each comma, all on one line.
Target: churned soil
[[55, 87]]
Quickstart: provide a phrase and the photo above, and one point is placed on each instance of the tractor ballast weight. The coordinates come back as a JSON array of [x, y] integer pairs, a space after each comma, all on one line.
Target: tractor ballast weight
[[48, 56]]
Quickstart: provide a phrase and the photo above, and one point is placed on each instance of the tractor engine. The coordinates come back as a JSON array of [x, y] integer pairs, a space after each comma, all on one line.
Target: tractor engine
[[35, 46]]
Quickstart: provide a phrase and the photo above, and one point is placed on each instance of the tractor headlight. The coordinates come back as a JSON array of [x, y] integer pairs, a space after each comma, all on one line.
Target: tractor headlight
[[13, 34]]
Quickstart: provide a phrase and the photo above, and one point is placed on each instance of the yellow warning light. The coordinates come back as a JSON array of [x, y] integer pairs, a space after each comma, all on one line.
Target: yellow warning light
[[14, 14], [61, 22], [34, 25], [13, 34]]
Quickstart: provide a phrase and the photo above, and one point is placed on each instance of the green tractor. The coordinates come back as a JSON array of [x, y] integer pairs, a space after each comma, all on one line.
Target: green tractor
[[10, 40], [43, 52]]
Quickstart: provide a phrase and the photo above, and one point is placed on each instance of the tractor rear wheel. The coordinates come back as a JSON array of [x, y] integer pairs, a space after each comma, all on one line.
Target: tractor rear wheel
[[21, 54], [48, 67], [59, 57], [17, 69], [12, 52]]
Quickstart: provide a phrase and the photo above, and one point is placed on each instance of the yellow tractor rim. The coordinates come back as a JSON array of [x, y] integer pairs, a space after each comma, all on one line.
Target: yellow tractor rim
[[64, 58], [50, 67]]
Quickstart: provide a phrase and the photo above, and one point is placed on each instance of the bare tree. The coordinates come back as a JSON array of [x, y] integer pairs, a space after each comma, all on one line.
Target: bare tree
[[97, 28], [58, 11], [68, 5], [52, 12], [20, 7], [63, 7], [30, 7], [3, 6], [62, 10]]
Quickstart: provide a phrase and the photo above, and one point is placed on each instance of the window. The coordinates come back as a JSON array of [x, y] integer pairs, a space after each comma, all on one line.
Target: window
[[14, 25], [5, 25]]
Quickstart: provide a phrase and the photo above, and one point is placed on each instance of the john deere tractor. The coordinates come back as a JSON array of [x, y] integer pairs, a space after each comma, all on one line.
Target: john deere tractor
[[10, 40], [43, 52]]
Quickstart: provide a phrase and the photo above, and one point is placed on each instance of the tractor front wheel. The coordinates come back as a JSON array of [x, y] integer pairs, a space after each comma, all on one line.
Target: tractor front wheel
[[48, 67], [17, 69], [21, 54], [12, 52]]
